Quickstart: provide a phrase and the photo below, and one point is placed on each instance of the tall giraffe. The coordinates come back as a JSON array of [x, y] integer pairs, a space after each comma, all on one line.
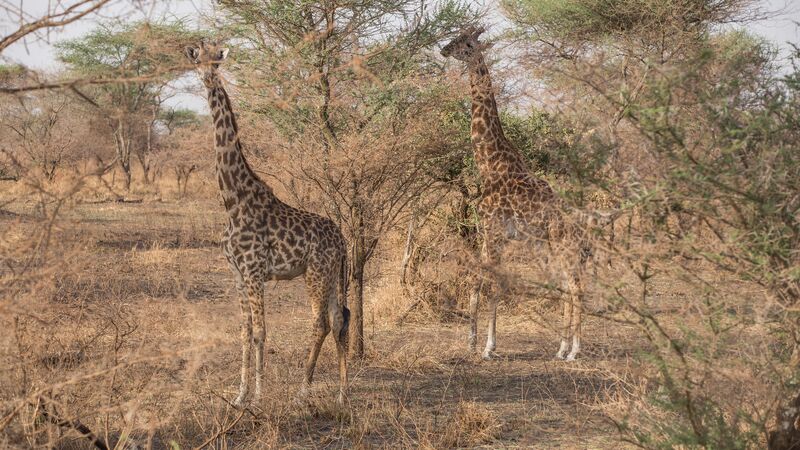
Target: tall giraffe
[[515, 204], [265, 239]]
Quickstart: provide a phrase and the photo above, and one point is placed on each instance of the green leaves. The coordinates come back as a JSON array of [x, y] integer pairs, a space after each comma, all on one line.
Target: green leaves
[[596, 21], [138, 49], [142, 56], [365, 50]]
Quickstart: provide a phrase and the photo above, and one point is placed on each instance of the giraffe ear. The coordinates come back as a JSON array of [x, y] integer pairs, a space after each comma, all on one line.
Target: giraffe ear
[[193, 53]]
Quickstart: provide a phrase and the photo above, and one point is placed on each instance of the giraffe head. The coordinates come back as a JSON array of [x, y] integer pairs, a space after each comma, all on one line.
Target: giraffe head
[[466, 46], [206, 58]]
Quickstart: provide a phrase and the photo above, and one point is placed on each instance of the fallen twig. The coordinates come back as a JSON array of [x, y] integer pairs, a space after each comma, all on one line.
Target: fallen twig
[[73, 424]]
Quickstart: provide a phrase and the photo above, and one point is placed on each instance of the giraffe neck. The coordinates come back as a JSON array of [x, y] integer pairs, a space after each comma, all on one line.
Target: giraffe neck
[[234, 175], [494, 154]]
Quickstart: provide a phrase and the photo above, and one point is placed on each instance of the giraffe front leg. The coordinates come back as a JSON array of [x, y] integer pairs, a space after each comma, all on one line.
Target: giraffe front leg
[[576, 299], [566, 321], [487, 258], [491, 342], [255, 293], [246, 336], [576, 327]]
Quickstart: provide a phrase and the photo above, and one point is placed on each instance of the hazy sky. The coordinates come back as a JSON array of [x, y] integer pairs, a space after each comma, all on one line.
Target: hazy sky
[[39, 53]]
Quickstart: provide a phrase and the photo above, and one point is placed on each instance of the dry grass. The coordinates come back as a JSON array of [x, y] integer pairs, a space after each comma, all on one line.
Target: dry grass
[[136, 335]]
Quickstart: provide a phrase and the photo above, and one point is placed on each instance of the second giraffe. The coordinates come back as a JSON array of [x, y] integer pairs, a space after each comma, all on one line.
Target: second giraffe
[[516, 205]]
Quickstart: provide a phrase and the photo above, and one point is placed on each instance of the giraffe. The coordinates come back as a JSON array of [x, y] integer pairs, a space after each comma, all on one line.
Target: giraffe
[[266, 239], [515, 205]]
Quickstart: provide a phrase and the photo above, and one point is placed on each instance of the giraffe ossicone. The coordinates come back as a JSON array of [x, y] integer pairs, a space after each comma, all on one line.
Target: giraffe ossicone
[[266, 239]]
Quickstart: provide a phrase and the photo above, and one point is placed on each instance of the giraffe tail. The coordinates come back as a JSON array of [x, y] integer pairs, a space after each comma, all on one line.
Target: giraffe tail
[[342, 288]]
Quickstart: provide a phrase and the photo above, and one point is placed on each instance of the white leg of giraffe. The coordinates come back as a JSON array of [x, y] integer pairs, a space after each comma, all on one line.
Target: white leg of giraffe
[[339, 329], [576, 348], [246, 337], [575, 327], [488, 257], [562, 349], [566, 323], [255, 293], [491, 342]]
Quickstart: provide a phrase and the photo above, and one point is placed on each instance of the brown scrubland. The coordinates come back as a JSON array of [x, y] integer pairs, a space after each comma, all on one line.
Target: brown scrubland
[[119, 324], [131, 328]]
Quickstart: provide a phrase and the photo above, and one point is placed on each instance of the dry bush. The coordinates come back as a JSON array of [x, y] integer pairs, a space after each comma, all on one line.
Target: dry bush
[[185, 152], [469, 425], [48, 132]]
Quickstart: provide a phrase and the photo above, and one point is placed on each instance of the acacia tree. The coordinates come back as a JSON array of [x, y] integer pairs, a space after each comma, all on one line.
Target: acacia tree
[[58, 14], [351, 91], [706, 133], [142, 54]]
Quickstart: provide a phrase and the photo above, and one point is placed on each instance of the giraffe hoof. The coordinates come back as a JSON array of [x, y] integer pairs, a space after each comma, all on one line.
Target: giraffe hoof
[[571, 357], [560, 355], [488, 355]]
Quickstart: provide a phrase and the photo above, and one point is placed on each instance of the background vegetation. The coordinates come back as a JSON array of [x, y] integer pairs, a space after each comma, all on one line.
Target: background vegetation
[[117, 312]]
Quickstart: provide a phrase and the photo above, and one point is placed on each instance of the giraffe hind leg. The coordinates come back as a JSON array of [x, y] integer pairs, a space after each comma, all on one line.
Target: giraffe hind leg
[[321, 329], [577, 289], [576, 333], [566, 322], [575, 325], [340, 327]]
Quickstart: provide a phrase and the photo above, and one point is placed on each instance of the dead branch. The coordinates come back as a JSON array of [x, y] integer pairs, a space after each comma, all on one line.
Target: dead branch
[[54, 20], [74, 424]]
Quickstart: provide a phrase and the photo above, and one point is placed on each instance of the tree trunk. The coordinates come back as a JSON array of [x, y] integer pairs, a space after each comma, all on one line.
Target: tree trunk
[[358, 259], [144, 161], [356, 302], [786, 434], [409, 250], [123, 144], [144, 155], [126, 170]]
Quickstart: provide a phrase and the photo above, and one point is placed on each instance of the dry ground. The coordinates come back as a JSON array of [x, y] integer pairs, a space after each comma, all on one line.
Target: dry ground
[[147, 292]]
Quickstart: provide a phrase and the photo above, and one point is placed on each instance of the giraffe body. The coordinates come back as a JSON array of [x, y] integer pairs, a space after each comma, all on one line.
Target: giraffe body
[[266, 239], [516, 205]]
